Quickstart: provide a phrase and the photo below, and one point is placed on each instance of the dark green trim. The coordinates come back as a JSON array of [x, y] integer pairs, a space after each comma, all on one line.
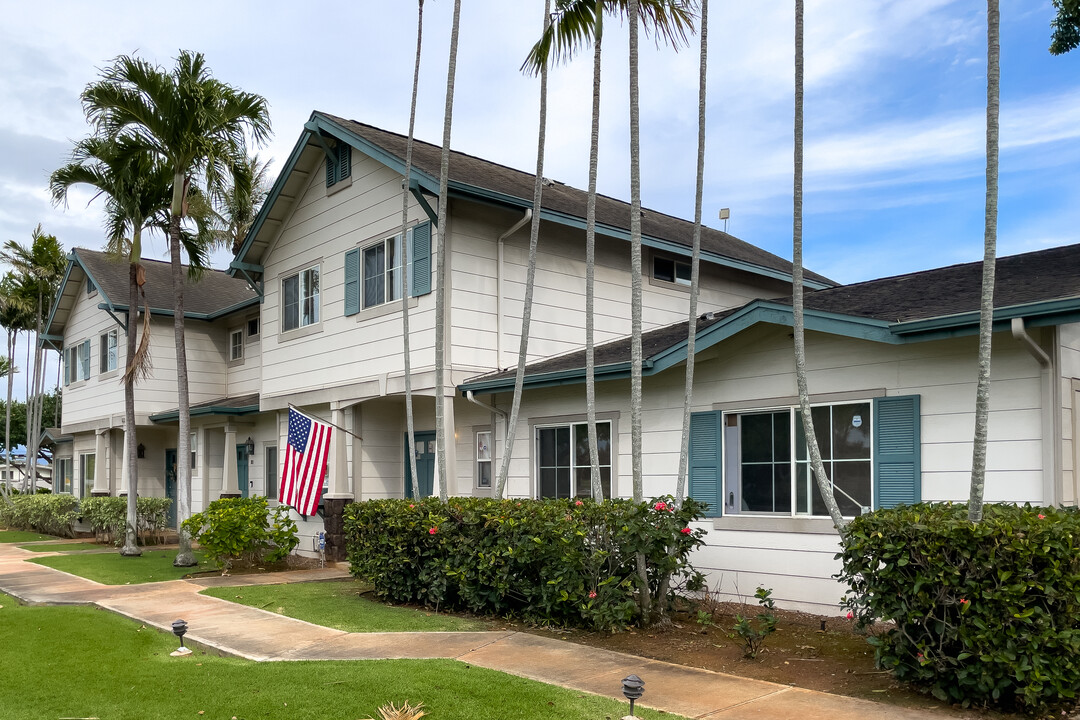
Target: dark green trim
[[212, 410], [313, 128], [1046, 312], [252, 267], [74, 259], [169, 312], [415, 189]]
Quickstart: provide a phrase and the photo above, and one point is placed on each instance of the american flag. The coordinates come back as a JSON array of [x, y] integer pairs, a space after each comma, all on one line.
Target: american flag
[[305, 463]]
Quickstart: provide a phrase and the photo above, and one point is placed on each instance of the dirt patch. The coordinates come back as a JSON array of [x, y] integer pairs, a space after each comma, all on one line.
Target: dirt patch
[[834, 660], [291, 562]]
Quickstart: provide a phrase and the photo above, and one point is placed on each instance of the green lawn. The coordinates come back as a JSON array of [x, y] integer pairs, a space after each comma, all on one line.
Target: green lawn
[[113, 569], [64, 547], [21, 536], [118, 670], [339, 605]]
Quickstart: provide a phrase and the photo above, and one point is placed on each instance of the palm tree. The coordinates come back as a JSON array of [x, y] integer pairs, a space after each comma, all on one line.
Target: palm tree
[[13, 319], [576, 22], [198, 126], [440, 264], [635, 281], [691, 337], [231, 214], [530, 275], [986, 309], [39, 267], [410, 426], [136, 186], [798, 325]]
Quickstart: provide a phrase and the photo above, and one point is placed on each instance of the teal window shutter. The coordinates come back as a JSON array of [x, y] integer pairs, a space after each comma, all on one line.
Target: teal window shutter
[[331, 171], [705, 466], [344, 160], [420, 271], [897, 451], [85, 356], [67, 366], [352, 282]]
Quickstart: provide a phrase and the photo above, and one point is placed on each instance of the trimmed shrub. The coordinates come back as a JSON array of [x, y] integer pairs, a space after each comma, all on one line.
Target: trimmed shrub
[[983, 613], [560, 562], [243, 530], [107, 516], [48, 514]]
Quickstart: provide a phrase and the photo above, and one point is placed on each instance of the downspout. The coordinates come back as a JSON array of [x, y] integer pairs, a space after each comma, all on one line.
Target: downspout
[[1050, 414], [499, 290]]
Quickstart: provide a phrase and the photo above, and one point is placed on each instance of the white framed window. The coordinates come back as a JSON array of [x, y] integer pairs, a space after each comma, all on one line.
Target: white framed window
[[236, 344], [562, 459], [108, 351], [86, 473], [62, 483], [670, 270], [382, 271], [193, 443], [300, 299], [767, 468], [77, 362], [483, 459], [253, 327]]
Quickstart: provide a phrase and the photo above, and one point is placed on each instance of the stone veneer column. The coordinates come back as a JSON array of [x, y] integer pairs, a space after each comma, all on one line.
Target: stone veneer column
[[340, 492]]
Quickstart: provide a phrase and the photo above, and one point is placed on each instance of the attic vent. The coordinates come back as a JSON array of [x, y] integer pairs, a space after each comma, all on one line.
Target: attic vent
[[547, 182], [708, 316]]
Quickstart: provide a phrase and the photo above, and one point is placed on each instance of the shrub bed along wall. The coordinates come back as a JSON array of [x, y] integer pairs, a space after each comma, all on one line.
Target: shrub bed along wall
[[984, 613], [243, 530], [48, 514], [560, 562], [107, 516]]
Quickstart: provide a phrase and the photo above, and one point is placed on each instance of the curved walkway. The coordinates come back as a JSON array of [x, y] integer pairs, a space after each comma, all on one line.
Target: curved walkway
[[259, 635]]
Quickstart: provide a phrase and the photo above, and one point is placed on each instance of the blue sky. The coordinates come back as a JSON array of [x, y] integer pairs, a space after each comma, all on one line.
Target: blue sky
[[895, 110]]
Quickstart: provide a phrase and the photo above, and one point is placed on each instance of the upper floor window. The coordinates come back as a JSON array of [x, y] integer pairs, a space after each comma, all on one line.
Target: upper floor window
[[77, 362], [382, 272], [339, 167], [108, 359], [670, 270], [300, 299], [236, 344], [253, 327]]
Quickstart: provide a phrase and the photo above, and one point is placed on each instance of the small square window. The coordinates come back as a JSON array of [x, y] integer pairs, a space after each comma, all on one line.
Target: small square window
[[236, 345], [253, 327], [670, 270]]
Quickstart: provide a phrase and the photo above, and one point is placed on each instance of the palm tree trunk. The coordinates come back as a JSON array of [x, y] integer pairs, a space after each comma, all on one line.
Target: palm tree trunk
[[530, 277], [7, 413], [441, 270], [823, 483], [131, 454], [184, 556], [33, 400], [405, 294], [590, 267], [691, 337], [986, 311]]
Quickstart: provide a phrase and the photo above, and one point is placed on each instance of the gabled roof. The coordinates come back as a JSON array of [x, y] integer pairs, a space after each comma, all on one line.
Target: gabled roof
[[1043, 287], [485, 181], [214, 295]]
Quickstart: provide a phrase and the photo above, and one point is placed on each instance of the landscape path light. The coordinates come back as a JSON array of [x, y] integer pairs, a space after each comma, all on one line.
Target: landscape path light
[[179, 628], [633, 688]]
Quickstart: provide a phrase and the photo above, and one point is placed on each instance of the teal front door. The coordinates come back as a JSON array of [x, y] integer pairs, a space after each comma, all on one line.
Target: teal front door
[[170, 484], [425, 464], [242, 469]]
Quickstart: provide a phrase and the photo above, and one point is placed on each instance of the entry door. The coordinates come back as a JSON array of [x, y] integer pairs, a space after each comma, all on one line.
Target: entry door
[[425, 464], [170, 484], [242, 469]]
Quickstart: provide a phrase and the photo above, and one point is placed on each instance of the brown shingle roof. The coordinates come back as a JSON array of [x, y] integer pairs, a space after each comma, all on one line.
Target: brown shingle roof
[[484, 174], [213, 292], [1040, 276]]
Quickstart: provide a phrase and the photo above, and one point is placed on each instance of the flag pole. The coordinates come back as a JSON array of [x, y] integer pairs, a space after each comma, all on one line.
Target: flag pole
[[325, 422]]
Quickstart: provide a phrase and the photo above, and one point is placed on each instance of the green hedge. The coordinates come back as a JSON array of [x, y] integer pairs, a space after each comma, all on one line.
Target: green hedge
[[560, 562], [984, 613], [243, 530], [107, 516], [48, 514]]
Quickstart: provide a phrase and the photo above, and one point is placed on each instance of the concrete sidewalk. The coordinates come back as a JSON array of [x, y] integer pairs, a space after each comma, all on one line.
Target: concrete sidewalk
[[254, 634]]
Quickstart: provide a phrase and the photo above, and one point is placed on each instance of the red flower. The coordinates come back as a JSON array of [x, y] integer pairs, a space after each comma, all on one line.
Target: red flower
[[1041, 516], [432, 531], [850, 615], [592, 594], [579, 503], [919, 656], [411, 507], [660, 505], [685, 531], [964, 602]]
